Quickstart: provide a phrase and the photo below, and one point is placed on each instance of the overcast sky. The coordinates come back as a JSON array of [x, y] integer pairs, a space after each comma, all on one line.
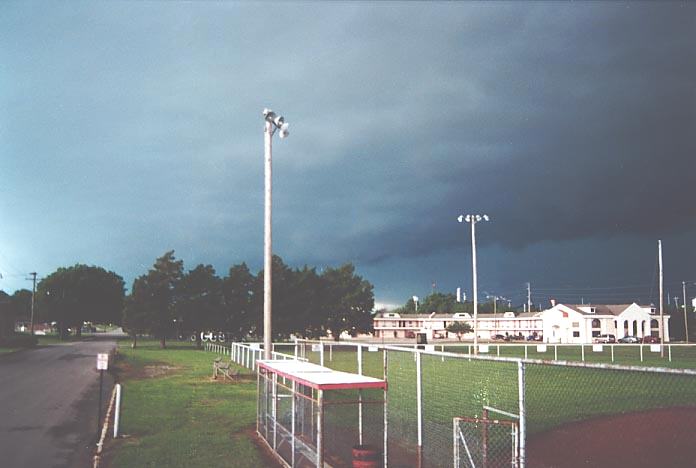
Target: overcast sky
[[128, 129]]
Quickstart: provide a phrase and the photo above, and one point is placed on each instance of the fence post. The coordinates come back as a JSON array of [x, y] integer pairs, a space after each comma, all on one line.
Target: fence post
[[455, 442], [641, 353], [386, 408], [669, 350], [330, 353], [321, 353], [555, 352], [419, 405], [612, 353], [582, 352], [523, 411], [360, 369]]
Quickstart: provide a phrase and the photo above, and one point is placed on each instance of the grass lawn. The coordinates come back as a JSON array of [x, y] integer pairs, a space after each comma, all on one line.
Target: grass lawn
[[174, 415], [554, 395], [8, 350]]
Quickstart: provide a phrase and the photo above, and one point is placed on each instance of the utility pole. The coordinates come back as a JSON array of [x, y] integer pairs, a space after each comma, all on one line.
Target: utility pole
[[686, 321], [33, 293], [529, 297], [662, 302]]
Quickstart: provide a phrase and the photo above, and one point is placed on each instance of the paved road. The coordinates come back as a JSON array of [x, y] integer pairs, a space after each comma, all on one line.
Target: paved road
[[48, 404]]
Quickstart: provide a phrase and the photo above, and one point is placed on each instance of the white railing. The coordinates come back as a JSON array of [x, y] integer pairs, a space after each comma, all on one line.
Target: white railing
[[246, 354]]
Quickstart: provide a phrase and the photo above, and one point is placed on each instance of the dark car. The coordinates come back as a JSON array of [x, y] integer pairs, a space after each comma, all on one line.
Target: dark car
[[498, 337], [629, 339], [651, 339]]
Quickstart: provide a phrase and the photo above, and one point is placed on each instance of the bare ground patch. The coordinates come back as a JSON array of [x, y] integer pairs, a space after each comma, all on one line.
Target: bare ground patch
[[660, 437]]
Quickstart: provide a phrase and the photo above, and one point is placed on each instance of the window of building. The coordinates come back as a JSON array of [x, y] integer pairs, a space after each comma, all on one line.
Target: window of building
[[595, 333], [576, 324], [576, 334], [595, 323]]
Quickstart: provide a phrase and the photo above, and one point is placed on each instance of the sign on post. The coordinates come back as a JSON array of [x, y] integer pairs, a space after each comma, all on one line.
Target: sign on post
[[102, 361]]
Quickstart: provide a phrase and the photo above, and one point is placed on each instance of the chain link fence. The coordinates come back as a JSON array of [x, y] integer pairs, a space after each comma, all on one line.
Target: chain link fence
[[457, 409]]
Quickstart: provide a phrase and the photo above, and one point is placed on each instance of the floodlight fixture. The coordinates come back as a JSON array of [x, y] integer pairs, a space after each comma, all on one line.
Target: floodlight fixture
[[284, 132]]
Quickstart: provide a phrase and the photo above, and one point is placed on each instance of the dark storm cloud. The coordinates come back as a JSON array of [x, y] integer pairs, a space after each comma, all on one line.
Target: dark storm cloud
[[583, 127], [139, 131]]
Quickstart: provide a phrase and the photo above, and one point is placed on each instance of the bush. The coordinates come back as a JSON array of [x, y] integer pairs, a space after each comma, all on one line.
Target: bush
[[18, 341]]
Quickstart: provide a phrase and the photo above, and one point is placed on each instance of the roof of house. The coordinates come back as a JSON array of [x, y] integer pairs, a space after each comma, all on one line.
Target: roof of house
[[602, 309]]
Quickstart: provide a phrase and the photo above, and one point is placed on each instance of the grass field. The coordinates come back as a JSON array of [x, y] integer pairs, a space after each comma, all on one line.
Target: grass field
[[555, 395], [173, 414], [682, 357], [8, 350]]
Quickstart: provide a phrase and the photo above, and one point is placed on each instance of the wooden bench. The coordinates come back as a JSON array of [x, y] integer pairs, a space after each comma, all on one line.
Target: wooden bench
[[225, 369]]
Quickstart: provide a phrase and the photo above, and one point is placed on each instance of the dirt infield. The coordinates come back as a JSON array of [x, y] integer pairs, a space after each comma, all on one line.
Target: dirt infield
[[656, 438]]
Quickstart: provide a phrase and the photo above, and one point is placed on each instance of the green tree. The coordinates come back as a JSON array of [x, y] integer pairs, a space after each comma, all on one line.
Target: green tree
[[284, 320], [199, 302], [349, 301], [438, 302], [460, 329], [154, 296], [238, 292], [135, 312], [7, 316], [71, 296]]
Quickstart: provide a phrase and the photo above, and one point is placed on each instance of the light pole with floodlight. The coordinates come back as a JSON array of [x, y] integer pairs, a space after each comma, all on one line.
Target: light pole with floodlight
[[273, 122], [473, 219]]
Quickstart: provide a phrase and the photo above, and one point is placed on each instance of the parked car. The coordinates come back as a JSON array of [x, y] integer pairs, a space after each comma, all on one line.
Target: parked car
[[607, 338], [498, 337], [534, 338], [651, 339], [629, 339]]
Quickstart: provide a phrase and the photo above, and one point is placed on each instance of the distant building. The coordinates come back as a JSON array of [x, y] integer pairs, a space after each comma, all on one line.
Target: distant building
[[574, 323], [394, 325], [562, 323]]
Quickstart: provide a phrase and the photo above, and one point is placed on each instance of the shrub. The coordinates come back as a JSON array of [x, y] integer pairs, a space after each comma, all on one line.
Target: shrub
[[18, 341]]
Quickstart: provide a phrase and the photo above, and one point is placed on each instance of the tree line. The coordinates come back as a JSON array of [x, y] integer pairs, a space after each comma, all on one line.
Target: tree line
[[447, 304], [170, 301]]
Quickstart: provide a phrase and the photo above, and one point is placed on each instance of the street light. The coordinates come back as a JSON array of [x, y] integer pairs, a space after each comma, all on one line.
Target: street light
[[473, 219], [273, 122]]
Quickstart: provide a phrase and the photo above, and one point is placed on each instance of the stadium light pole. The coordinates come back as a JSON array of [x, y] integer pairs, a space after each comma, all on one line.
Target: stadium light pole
[[686, 319], [473, 219], [272, 122]]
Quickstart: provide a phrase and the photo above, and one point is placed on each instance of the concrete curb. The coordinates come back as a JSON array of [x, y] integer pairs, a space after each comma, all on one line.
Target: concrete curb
[[105, 429]]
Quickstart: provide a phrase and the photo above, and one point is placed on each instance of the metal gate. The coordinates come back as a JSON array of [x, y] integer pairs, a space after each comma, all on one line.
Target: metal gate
[[485, 443]]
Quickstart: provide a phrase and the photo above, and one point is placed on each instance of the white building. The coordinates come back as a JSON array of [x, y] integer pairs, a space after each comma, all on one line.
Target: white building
[[562, 323], [394, 325], [573, 323]]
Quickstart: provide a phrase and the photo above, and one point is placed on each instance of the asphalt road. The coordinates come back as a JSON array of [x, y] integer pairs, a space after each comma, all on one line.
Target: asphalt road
[[48, 404]]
